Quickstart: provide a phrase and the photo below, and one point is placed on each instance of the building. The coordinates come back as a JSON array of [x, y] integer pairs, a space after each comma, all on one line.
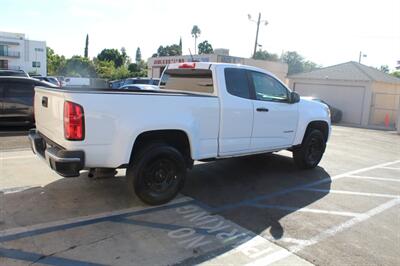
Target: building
[[366, 96], [17, 52], [156, 65]]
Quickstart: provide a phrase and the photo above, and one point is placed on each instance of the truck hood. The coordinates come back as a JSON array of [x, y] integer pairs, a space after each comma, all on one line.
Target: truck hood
[[315, 108]]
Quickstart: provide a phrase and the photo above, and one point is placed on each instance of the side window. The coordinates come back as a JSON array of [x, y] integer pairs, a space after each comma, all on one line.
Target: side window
[[268, 89], [237, 83], [18, 89]]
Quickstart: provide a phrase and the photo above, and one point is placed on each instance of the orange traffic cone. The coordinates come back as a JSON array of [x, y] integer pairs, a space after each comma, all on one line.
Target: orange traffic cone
[[387, 120]]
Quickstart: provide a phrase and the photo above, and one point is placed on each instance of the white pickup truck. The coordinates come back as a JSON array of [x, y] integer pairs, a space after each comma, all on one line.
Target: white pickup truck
[[201, 111]]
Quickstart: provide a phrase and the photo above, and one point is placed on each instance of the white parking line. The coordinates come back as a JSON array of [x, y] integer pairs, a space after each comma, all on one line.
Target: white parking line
[[391, 168], [289, 208], [286, 240], [375, 178], [352, 193], [15, 189], [279, 255], [23, 229]]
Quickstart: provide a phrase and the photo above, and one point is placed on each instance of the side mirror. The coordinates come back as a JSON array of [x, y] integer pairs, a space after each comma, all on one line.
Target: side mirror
[[294, 97]]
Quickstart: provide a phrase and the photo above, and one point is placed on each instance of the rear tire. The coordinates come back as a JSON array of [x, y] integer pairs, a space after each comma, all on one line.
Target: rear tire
[[156, 174], [312, 148]]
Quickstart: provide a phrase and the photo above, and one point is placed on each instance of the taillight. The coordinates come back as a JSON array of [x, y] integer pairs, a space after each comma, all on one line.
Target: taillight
[[74, 124]]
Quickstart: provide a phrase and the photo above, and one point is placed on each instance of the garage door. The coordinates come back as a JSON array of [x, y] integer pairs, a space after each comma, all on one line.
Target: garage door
[[349, 99]]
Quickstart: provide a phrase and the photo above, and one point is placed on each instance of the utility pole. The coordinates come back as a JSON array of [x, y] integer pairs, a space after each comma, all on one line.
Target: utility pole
[[361, 55], [258, 28]]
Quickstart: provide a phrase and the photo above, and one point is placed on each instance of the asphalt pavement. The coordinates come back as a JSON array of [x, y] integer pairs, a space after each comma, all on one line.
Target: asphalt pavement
[[257, 210]]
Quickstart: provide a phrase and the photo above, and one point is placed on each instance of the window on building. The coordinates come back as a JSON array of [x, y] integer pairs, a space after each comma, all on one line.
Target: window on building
[[237, 83], [4, 64], [39, 50], [35, 64]]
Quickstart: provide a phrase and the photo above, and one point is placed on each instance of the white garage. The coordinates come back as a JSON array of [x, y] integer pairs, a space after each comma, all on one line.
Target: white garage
[[366, 96]]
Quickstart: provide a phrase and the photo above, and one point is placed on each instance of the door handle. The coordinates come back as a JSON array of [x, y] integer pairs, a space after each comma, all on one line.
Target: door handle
[[262, 109], [44, 101]]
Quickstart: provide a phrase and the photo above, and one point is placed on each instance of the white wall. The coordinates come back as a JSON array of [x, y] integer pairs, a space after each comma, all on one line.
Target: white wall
[[35, 51]]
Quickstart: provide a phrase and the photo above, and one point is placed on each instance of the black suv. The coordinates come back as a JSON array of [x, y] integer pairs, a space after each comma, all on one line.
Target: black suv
[[16, 99]]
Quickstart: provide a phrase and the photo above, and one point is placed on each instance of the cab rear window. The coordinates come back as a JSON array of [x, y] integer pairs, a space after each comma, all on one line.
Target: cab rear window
[[188, 80]]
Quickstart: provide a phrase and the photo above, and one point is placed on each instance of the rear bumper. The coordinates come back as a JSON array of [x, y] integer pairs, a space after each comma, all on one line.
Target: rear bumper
[[65, 163]]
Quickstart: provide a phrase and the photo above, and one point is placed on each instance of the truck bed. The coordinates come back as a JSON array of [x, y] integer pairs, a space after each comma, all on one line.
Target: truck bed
[[114, 118]]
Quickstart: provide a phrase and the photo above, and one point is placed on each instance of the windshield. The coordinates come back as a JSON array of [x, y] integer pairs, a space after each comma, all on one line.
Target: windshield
[[188, 80]]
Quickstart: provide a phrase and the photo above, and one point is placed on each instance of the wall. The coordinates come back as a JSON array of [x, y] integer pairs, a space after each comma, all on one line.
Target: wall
[[385, 103], [35, 51]]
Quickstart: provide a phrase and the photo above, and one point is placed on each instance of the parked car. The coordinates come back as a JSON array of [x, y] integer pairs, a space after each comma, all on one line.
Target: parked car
[[202, 111], [139, 87], [13, 73], [141, 81], [16, 99], [77, 82], [52, 80], [62, 80], [336, 114], [115, 84]]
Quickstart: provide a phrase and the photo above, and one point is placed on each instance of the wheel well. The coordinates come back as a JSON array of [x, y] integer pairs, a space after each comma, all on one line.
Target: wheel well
[[320, 125], [176, 138]]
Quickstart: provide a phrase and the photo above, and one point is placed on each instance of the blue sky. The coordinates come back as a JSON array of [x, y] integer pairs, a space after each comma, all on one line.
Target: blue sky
[[326, 32]]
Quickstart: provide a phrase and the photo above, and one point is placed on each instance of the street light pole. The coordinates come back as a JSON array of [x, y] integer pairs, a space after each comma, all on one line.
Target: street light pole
[[258, 28]]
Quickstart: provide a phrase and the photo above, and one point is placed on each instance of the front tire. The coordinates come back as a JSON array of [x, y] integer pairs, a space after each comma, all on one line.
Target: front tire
[[156, 174], [310, 153]]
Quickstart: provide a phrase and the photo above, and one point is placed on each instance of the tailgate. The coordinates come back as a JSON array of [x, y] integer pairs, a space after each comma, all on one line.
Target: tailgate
[[49, 112]]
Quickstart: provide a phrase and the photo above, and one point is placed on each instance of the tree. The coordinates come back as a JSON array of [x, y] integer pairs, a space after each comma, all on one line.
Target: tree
[[78, 66], [205, 48], [104, 69], [138, 57], [138, 69], [125, 57], [195, 34], [180, 44], [384, 69], [297, 63], [111, 55], [264, 55], [395, 74], [86, 53], [169, 50], [55, 62]]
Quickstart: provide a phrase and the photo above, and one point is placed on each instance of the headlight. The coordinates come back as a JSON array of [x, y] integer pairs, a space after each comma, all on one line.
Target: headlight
[[328, 111]]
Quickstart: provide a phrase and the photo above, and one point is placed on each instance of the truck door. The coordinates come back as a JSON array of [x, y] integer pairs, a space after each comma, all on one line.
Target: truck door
[[275, 119], [18, 99], [236, 116]]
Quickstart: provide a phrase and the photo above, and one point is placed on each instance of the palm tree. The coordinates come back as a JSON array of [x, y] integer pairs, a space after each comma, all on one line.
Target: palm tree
[[195, 33]]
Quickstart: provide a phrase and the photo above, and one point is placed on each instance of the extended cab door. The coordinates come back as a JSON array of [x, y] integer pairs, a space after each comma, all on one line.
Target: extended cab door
[[236, 116], [275, 119]]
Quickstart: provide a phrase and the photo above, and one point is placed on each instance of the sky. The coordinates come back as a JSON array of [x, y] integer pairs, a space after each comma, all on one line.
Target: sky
[[326, 32]]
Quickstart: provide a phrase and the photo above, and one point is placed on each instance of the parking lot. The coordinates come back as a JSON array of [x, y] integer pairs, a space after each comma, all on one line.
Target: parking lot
[[258, 210]]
